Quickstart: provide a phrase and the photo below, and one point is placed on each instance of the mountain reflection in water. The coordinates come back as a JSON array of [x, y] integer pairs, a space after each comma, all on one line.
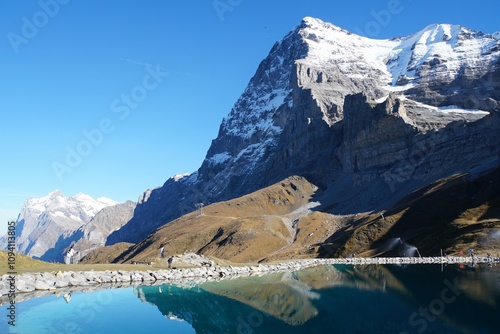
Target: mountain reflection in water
[[344, 299]]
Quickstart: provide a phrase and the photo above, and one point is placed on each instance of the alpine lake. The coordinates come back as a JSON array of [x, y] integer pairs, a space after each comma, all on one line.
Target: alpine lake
[[322, 299]]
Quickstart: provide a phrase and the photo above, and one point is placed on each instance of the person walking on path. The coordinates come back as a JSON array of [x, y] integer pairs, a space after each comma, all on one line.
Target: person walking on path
[[69, 255], [170, 259], [162, 251]]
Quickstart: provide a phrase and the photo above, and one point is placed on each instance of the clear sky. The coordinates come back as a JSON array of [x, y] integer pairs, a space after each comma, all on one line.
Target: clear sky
[[111, 98]]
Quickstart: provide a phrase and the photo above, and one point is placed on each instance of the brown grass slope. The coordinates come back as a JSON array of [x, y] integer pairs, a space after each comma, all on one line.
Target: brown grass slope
[[106, 254], [454, 214], [23, 264], [280, 222], [271, 223]]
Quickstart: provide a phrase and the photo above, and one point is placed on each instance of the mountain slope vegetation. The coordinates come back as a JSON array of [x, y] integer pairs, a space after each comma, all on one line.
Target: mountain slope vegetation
[[285, 221]]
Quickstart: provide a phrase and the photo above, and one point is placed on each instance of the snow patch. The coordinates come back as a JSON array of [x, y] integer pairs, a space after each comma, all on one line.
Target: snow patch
[[382, 99], [76, 218], [58, 214], [179, 177], [446, 109], [107, 201], [256, 152], [399, 88], [254, 113], [219, 158], [458, 110], [192, 178]]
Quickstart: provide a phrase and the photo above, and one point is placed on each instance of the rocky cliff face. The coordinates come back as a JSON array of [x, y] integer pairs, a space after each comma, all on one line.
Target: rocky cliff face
[[368, 121], [95, 233]]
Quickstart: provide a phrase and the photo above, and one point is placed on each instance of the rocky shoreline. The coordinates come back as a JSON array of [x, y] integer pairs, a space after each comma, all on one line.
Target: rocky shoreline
[[29, 285]]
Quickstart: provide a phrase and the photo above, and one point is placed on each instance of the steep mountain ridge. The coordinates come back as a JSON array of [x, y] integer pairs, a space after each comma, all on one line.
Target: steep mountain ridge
[[93, 234], [419, 108]]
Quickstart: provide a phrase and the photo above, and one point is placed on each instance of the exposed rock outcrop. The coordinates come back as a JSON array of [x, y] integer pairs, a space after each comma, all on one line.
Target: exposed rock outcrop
[[94, 233]]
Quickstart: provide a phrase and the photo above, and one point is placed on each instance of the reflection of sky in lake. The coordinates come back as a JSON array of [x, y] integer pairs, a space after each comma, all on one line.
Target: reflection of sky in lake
[[107, 311], [340, 299]]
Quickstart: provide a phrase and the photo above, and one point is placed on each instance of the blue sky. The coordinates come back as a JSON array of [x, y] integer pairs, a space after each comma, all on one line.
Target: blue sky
[[137, 89]]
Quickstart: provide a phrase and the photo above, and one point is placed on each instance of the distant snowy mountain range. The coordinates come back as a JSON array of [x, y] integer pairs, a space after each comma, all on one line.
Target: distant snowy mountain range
[[46, 226]]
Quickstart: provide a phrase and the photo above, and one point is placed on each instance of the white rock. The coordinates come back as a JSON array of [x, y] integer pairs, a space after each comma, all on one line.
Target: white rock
[[40, 285], [24, 286], [60, 284]]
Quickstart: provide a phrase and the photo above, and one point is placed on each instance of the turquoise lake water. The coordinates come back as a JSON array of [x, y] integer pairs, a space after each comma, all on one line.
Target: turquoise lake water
[[324, 299]]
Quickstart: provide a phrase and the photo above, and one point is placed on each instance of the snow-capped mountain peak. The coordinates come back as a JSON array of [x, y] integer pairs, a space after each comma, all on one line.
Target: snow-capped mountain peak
[[106, 200], [47, 225], [333, 63], [40, 203], [85, 205], [445, 48], [44, 220]]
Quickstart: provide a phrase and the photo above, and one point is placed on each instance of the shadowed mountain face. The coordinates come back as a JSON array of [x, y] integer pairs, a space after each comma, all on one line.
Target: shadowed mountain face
[[451, 215], [366, 121], [381, 299]]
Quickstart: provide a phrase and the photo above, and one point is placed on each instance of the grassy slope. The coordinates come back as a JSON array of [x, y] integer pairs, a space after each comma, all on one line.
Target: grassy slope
[[25, 264], [246, 229], [453, 214], [106, 254]]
